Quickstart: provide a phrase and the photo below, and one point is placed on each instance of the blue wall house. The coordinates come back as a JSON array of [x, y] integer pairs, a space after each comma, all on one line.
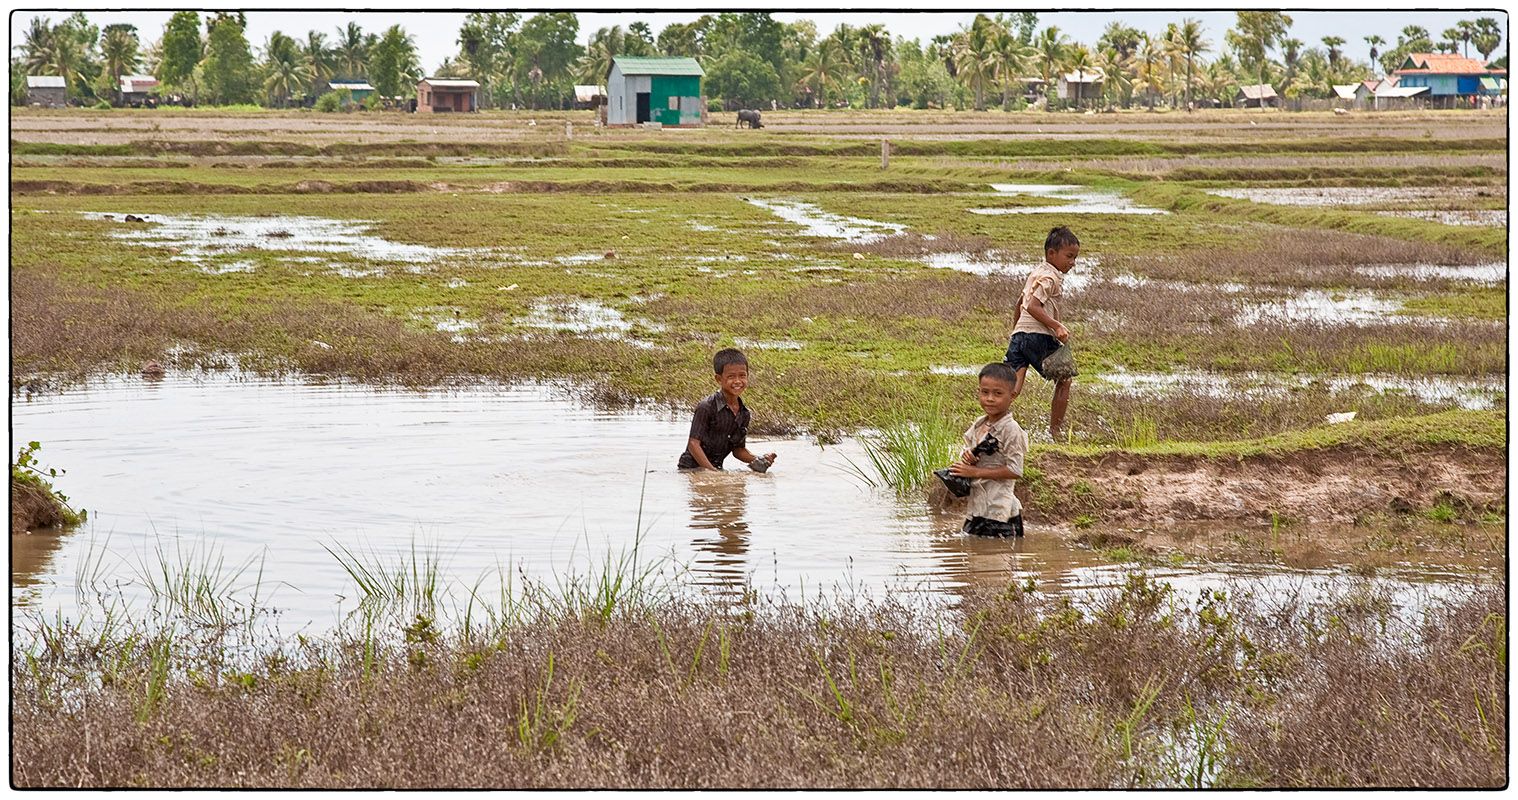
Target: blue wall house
[[1453, 81]]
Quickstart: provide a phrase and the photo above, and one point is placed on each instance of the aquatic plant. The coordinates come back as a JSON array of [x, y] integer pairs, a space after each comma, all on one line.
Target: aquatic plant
[[903, 454]]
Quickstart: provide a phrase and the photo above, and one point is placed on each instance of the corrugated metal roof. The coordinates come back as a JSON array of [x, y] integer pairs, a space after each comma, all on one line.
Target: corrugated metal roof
[[352, 86], [138, 83], [1088, 76], [1400, 91], [1346, 91], [45, 82], [641, 65], [450, 83], [585, 92], [1258, 91]]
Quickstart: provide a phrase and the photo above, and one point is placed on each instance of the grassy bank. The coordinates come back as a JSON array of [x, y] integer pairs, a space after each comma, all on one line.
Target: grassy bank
[[1133, 688]]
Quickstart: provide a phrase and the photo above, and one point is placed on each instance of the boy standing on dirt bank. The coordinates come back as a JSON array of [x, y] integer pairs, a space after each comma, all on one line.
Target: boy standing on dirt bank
[[720, 424], [1036, 329], [993, 508]]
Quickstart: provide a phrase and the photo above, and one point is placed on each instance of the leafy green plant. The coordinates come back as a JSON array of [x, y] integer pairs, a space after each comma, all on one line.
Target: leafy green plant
[[28, 470], [905, 452]]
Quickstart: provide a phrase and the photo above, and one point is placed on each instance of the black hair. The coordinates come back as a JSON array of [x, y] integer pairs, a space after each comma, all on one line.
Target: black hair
[[726, 358], [1001, 371], [1060, 237]]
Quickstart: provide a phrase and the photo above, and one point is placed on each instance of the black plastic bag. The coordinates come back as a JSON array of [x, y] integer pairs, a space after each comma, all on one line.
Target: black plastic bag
[[958, 485]]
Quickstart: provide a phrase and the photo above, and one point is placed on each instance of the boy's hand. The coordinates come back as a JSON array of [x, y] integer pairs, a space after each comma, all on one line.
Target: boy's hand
[[1061, 333], [964, 470], [968, 457]]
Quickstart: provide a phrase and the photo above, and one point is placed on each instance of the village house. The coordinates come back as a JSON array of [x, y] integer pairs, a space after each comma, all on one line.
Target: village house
[[666, 91], [1389, 94], [1080, 85], [358, 90], [48, 91], [1257, 95], [589, 96], [435, 95], [138, 90], [1453, 81]]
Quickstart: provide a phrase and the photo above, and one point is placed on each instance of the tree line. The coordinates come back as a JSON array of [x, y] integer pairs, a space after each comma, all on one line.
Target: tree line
[[750, 59]]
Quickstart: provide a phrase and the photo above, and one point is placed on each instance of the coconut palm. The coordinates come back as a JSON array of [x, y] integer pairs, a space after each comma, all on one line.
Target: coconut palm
[[37, 46], [874, 45], [1010, 60], [351, 50], [1051, 46], [320, 60], [119, 54], [604, 46], [1081, 61], [1450, 41], [1189, 43], [1150, 66], [285, 70], [1255, 33], [824, 68], [975, 55], [1291, 53]]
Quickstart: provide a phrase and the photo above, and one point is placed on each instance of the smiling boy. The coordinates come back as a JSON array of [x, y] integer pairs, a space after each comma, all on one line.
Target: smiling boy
[[720, 423], [993, 508]]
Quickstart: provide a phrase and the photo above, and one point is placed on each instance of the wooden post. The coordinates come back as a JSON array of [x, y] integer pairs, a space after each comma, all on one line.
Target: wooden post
[[569, 130], [885, 153]]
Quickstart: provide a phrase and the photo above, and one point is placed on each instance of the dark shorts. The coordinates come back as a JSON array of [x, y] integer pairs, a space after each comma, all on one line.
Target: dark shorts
[[1030, 350], [981, 526]]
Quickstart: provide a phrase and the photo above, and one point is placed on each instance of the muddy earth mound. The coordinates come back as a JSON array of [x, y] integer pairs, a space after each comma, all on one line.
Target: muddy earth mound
[[1328, 485], [33, 507]]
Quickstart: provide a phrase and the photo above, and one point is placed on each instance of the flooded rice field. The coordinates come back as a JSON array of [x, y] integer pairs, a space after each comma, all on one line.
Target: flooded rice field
[[276, 476], [816, 222], [1467, 393], [1074, 199]]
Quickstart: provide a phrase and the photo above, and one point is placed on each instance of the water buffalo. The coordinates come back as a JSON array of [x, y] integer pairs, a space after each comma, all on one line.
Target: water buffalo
[[750, 116]]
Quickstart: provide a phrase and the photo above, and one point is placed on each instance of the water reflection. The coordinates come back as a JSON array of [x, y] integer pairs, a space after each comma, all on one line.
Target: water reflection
[[718, 509], [32, 557]]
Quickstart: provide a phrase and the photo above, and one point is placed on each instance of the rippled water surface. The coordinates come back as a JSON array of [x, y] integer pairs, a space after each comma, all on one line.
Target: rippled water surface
[[276, 473]]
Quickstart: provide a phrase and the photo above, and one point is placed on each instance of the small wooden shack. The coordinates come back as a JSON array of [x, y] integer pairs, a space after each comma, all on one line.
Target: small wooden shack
[[1081, 85], [357, 88], [1257, 95], [436, 95], [137, 90], [662, 90], [48, 91]]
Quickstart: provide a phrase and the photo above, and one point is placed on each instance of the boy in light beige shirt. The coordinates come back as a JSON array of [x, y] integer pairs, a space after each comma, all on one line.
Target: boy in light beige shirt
[[993, 508], [1036, 329]]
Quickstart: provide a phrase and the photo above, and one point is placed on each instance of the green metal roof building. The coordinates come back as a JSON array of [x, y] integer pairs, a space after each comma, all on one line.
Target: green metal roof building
[[662, 90]]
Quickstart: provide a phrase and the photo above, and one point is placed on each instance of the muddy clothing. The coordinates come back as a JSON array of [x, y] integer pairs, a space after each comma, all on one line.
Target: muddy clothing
[[980, 526], [994, 499], [1048, 285], [1030, 350], [719, 430]]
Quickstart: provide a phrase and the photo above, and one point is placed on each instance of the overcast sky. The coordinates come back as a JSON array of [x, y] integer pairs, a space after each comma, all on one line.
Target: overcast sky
[[436, 33]]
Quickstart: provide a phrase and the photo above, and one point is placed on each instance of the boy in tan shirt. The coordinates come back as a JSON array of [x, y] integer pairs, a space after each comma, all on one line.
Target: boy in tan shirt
[[1038, 333], [993, 508]]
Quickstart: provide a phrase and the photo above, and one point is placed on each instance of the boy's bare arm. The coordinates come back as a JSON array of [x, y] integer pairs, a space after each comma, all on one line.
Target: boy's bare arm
[[693, 446], [1037, 311], [1002, 473], [743, 454]]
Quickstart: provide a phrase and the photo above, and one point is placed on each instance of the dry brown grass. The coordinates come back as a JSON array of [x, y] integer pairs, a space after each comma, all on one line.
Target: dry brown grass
[[1024, 690]]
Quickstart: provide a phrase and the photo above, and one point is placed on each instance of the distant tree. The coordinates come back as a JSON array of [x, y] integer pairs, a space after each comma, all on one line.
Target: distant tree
[[1188, 42], [1255, 33], [1052, 48], [393, 64], [1291, 53], [37, 46], [285, 69], [180, 51], [640, 40], [1375, 42], [742, 80], [1025, 24], [351, 51], [1150, 63], [1488, 36], [1119, 37], [320, 61], [680, 39], [1333, 43], [485, 51], [119, 52], [228, 67], [1011, 60], [545, 56], [825, 69]]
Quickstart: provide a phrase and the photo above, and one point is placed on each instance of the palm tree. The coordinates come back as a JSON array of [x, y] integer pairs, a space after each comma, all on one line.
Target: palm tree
[[118, 51], [1010, 60], [1333, 43], [1081, 61], [351, 51], [1488, 37], [320, 60], [1118, 76], [1468, 32], [975, 54], [1150, 62], [1051, 46], [824, 67], [874, 46], [37, 46], [1189, 43], [1291, 50], [1257, 32], [604, 47], [1375, 43], [285, 69], [1451, 39]]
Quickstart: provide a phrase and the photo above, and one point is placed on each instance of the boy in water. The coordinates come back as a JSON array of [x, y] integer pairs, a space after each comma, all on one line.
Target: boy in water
[[1036, 329], [720, 425], [993, 508]]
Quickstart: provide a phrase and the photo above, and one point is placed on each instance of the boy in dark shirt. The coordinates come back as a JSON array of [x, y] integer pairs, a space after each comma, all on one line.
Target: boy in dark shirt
[[720, 425]]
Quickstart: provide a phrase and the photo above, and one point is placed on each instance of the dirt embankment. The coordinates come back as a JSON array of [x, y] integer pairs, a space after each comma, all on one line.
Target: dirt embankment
[[34, 507], [1326, 485]]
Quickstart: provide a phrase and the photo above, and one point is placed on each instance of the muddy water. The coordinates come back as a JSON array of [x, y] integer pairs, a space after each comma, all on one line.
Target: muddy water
[[494, 478], [1074, 199]]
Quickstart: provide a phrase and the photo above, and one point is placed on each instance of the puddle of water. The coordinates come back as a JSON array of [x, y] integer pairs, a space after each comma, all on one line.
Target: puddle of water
[[201, 237], [223, 269], [579, 316], [760, 344], [1475, 273], [987, 265], [1317, 305], [938, 369], [582, 258], [1346, 195], [825, 224], [1075, 200], [484, 477], [1469, 393], [1491, 219]]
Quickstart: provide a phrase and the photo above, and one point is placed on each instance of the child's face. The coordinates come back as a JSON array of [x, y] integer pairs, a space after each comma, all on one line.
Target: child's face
[[995, 396], [733, 380], [1063, 258]]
